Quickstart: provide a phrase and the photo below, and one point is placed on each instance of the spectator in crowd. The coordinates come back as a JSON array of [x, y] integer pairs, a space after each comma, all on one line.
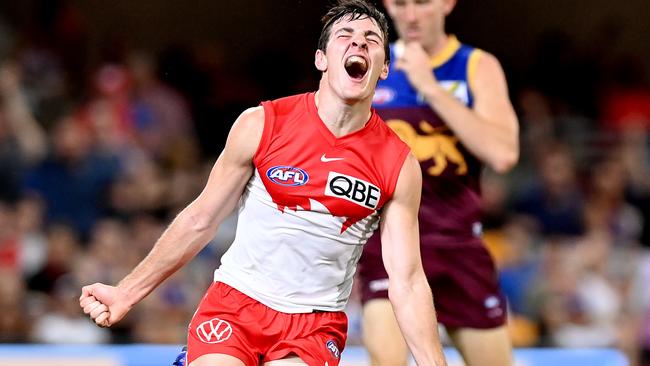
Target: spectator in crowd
[[22, 140], [553, 202], [74, 179]]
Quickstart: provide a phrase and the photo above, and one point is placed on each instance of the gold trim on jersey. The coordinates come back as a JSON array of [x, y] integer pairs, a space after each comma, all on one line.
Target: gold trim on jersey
[[443, 56], [472, 67]]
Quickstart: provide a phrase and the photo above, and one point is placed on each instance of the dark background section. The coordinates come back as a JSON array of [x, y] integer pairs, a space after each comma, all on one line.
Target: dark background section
[[279, 37]]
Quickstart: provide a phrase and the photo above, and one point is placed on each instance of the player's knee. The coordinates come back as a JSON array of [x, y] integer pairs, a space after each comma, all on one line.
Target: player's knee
[[382, 336], [217, 360], [290, 361], [387, 352], [388, 359]]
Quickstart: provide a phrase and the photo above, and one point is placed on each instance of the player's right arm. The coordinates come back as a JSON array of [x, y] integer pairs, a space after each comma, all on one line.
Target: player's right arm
[[190, 231], [489, 130], [408, 289]]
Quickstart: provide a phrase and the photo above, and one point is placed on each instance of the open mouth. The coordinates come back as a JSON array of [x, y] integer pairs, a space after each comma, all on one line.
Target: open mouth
[[356, 67]]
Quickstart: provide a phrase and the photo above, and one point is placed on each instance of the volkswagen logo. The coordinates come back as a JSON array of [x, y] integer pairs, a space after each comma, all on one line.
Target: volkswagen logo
[[214, 331]]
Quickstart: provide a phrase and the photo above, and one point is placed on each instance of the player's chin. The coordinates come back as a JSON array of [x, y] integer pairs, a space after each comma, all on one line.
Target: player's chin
[[412, 35], [355, 95], [357, 85]]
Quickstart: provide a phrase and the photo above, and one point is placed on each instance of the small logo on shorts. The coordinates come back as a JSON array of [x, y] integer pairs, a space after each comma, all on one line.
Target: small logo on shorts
[[477, 229], [493, 304], [214, 331], [334, 349], [378, 285]]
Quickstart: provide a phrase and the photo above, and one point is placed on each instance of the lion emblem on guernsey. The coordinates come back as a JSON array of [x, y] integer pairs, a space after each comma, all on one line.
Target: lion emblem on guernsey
[[434, 145]]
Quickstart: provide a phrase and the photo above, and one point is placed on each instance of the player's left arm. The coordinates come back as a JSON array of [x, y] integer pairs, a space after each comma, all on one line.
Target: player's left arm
[[408, 289], [490, 130]]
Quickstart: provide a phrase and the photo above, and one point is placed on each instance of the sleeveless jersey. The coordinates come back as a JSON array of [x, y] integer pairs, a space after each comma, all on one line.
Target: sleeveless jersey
[[309, 208], [449, 211]]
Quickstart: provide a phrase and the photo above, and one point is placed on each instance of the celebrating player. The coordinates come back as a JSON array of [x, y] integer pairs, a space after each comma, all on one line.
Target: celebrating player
[[311, 175]]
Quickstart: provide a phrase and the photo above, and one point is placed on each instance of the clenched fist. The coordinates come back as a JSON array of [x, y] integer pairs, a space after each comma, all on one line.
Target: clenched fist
[[105, 304]]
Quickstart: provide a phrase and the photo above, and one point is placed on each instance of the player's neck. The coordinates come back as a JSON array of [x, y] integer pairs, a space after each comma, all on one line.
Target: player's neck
[[438, 44], [340, 117]]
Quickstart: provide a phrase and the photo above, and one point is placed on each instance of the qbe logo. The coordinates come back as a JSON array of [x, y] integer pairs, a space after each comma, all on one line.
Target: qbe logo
[[352, 189], [288, 176]]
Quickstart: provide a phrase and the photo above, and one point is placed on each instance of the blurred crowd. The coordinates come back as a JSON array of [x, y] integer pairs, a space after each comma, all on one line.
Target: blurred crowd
[[97, 155]]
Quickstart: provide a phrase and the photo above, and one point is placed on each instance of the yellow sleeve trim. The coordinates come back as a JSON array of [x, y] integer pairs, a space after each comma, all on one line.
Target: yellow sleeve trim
[[472, 66]]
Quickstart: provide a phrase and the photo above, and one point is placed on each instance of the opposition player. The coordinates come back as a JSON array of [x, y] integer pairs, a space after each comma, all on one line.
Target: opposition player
[[449, 102], [310, 174]]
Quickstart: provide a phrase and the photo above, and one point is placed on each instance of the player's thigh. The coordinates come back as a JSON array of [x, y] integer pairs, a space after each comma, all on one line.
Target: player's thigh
[[289, 361], [381, 334], [483, 347], [213, 359]]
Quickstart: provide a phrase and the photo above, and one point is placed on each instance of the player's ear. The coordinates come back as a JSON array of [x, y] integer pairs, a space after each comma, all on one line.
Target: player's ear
[[320, 61], [384, 71]]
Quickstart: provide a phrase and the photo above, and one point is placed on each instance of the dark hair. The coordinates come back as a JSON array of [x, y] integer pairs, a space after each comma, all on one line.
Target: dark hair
[[354, 10]]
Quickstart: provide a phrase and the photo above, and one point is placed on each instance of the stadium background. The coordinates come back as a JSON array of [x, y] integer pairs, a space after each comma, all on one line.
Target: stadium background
[[112, 113]]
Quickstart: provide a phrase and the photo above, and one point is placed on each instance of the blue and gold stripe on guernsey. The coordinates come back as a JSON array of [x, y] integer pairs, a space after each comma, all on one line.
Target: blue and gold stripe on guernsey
[[454, 68]]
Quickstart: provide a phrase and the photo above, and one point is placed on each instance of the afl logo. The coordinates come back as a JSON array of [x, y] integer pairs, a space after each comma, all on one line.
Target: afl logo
[[331, 346], [383, 96], [287, 176], [214, 331]]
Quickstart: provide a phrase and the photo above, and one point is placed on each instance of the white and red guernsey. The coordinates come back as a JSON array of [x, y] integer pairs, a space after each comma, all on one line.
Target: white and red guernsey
[[310, 206]]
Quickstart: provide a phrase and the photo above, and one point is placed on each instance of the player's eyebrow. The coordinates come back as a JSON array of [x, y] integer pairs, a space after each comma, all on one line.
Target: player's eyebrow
[[344, 30], [351, 30], [373, 33]]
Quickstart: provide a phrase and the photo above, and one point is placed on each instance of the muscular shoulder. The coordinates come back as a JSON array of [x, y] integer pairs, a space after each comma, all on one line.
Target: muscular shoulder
[[488, 70], [409, 183], [485, 76], [411, 169], [487, 62], [250, 123], [246, 133]]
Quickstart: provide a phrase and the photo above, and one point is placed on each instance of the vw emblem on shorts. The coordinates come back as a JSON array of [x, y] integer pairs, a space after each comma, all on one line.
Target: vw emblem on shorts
[[214, 331]]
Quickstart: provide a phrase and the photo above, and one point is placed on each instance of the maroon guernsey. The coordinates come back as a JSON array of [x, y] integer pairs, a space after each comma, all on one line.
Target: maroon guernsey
[[458, 267]]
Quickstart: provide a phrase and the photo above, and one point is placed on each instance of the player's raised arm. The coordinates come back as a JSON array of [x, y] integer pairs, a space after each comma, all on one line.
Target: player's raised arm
[[408, 289], [189, 232]]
